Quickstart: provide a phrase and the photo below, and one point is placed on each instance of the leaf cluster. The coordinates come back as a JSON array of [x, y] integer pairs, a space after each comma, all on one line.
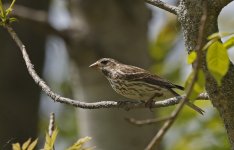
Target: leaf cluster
[[217, 61], [50, 143], [28, 145], [4, 14]]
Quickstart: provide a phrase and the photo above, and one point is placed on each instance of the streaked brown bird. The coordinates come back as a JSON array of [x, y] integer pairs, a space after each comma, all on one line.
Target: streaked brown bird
[[136, 83]]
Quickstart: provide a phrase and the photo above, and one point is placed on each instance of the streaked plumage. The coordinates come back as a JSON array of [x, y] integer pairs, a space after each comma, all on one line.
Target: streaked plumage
[[136, 83]]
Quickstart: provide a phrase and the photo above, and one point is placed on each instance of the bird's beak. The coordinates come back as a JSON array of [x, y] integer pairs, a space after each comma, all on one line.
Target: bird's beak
[[94, 65]]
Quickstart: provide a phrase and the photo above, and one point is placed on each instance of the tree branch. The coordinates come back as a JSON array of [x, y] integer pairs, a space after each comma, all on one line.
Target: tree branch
[[163, 5], [146, 121], [76, 103], [222, 97], [157, 120], [171, 119]]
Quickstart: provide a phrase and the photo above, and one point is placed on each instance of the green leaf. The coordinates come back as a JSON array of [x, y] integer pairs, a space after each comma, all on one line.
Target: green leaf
[[214, 36], [25, 145], [2, 12], [9, 10], [32, 145], [192, 57], [208, 44], [229, 43], [198, 86], [217, 61]]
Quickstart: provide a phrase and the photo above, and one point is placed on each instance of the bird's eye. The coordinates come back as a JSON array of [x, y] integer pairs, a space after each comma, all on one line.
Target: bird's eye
[[104, 62]]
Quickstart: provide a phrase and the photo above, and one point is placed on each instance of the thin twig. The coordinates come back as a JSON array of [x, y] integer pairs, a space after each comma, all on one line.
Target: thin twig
[[51, 124], [51, 127], [158, 137], [163, 5], [76, 103], [146, 121], [156, 120]]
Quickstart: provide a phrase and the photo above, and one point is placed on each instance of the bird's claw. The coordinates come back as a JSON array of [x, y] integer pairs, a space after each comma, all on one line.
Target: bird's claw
[[149, 104], [123, 104]]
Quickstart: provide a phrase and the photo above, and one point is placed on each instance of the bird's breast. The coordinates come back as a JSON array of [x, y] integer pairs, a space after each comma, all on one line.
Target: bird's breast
[[139, 90]]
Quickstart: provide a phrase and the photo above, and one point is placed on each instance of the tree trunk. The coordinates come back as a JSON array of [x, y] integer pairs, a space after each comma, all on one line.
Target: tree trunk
[[116, 29], [189, 15]]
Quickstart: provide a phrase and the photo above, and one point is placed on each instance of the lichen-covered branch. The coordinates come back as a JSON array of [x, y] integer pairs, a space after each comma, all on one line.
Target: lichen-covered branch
[[76, 103], [163, 5]]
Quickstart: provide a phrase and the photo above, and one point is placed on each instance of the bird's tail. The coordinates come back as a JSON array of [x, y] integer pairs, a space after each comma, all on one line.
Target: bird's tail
[[179, 87], [191, 105], [196, 108]]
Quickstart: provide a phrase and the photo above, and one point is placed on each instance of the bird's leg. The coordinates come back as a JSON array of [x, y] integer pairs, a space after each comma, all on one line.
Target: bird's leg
[[124, 104], [149, 102]]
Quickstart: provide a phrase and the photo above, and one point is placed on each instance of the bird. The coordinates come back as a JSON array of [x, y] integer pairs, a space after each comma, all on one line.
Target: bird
[[138, 84]]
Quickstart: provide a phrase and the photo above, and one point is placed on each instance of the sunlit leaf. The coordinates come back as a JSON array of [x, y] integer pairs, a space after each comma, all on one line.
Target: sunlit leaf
[[50, 140], [79, 144], [192, 57], [214, 36], [229, 43], [209, 43], [16, 146], [32, 145], [198, 86], [25, 145], [218, 35], [217, 61]]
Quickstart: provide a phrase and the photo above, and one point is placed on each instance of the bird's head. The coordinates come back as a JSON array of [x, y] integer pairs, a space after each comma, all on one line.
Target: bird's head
[[106, 65]]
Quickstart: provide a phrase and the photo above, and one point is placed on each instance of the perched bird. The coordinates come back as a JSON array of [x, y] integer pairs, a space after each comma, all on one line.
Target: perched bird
[[136, 83]]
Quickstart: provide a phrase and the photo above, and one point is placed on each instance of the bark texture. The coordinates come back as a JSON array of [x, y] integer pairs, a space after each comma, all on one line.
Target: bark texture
[[116, 29], [189, 15]]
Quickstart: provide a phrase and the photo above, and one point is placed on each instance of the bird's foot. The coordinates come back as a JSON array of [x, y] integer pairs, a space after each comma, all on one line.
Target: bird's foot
[[149, 104], [124, 104]]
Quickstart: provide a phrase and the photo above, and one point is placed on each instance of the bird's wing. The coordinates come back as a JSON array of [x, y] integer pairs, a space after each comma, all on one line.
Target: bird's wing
[[138, 74]]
